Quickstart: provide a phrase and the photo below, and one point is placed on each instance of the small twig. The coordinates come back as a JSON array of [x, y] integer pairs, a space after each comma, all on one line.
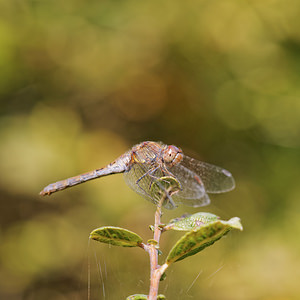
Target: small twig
[[156, 271], [152, 247]]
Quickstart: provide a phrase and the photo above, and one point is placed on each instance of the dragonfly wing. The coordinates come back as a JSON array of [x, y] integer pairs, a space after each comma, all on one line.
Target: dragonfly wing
[[132, 175], [140, 178], [192, 191], [214, 178], [202, 201]]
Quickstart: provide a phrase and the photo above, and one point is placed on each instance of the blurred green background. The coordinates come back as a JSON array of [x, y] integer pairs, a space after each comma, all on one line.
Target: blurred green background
[[83, 81]]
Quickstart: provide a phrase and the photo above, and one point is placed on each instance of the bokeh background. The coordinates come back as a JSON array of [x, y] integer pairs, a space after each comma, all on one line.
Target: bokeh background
[[83, 81]]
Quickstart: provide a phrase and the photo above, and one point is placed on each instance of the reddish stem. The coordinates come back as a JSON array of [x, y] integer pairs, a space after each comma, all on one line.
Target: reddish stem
[[156, 271]]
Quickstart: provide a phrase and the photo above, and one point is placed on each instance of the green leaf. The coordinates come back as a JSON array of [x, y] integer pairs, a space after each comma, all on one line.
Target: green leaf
[[235, 223], [152, 242], [137, 297], [187, 223], [200, 238], [116, 236], [163, 277], [144, 297]]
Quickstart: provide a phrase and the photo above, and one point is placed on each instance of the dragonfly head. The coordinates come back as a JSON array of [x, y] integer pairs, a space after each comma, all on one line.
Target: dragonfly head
[[172, 155]]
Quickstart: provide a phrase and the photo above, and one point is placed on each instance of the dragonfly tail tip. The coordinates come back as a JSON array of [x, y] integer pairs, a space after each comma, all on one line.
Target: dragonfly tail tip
[[43, 193]]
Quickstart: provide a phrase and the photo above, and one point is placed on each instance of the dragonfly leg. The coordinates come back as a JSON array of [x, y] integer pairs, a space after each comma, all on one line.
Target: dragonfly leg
[[150, 174], [171, 200], [143, 176], [167, 172], [167, 194], [147, 173]]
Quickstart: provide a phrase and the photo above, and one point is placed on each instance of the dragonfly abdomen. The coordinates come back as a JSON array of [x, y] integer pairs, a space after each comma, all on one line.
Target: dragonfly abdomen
[[118, 166], [63, 184]]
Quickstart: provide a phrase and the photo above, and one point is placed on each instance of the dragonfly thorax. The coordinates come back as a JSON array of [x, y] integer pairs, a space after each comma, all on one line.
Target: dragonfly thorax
[[172, 155]]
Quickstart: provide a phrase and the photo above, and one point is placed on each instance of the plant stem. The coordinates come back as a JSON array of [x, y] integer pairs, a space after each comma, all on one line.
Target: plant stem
[[156, 271]]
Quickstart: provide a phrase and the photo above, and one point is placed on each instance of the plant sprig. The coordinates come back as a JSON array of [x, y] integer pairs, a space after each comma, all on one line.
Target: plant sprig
[[202, 230]]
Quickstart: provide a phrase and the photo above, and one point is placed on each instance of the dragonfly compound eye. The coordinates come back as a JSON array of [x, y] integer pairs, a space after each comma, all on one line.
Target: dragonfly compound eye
[[172, 155]]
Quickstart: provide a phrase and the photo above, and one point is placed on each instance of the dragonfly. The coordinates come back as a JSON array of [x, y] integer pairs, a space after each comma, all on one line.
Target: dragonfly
[[148, 162]]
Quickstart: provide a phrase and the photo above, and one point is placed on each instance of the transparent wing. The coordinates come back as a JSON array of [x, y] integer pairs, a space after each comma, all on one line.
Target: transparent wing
[[192, 191], [140, 178], [215, 179], [196, 180]]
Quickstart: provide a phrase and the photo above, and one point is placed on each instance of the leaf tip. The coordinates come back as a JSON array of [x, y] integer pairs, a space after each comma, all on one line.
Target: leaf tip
[[236, 223]]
